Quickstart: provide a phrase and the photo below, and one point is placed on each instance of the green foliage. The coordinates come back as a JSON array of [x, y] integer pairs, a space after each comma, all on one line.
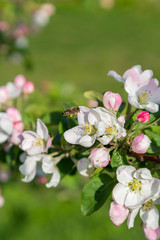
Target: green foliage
[[95, 193], [118, 158]]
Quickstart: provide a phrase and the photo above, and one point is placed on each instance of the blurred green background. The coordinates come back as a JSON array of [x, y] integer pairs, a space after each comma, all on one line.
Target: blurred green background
[[74, 53]]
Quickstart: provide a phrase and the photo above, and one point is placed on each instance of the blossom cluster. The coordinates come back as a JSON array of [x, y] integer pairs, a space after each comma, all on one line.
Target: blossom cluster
[[104, 141]]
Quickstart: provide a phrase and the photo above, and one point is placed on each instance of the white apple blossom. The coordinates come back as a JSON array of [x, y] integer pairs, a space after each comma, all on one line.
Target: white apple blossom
[[134, 187], [113, 127], [13, 91], [135, 73], [36, 143], [90, 127], [143, 96], [6, 127], [29, 169]]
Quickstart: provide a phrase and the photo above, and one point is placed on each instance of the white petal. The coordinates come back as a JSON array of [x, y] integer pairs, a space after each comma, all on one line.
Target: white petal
[[146, 75], [3, 137], [83, 115], [6, 124], [133, 101], [47, 164], [132, 216], [134, 199], [83, 165], [116, 76], [125, 174], [29, 168], [137, 68], [42, 130], [106, 139], [131, 86], [93, 117], [87, 141], [34, 150], [150, 217], [119, 193], [143, 173], [54, 180], [151, 107], [74, 134]]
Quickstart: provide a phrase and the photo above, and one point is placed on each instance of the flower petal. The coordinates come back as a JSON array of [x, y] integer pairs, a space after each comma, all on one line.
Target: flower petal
[[42, 130], [119, 193], [132, 216], [54, 180], [116, 76], [125, 174], [150, 217]]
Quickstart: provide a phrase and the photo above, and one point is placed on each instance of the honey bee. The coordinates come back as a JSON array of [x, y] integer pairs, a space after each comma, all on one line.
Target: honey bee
[[71, 112]]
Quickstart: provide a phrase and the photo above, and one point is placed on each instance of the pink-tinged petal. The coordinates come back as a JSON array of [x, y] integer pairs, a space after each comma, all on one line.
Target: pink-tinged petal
[[2, 201], [112, 101], [151, 234], [118, 213], [137, 68], [16, 137], [134, 199], [28, 87], [74, 135], [47, 164], [131, 217], [54, 180], [131, 86], [140, 143], [29, 135], [116, 76], [99, 157], [42, 130], [19, 81], [6, 124], [143, 117], [150, 217], [119, 193], [131, 73], [122, 120], [3, 94], [18, 126], [83, 115], [83, 165], [125, 174], [14, 114], [49, 143], [87, 141]]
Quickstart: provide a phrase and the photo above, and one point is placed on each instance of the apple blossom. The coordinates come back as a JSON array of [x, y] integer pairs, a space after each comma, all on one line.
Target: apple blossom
[[36, 143], [83, 165], [118, 213], [135, 73], [19, 81], [90, 127], [143, 95], [143, 117], [3, 94], [28, 87], [16, 137], [6, 127], [113, 128], [14, 114], [134, 186], [112, 101], [141, 143], [99, 157]]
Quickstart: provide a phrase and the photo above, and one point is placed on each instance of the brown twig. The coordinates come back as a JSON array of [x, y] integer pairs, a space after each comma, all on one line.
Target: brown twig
[[144, 157]]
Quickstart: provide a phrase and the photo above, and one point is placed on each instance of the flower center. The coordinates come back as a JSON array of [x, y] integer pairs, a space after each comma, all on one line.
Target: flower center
[[135, 185], [149, 204], [112, 130], [89, 129], [143, 97], [38, 142]]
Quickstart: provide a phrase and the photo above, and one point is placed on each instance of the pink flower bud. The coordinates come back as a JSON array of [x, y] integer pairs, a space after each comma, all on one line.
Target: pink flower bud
[[152, 234], [99, 157], [118, 213], [19, 81], [18, 126], [3, 94], [4, 26], [140, 143], [92, 103], [112, 101], [122, 120], [28, 87], [14, 114], [143, 117]]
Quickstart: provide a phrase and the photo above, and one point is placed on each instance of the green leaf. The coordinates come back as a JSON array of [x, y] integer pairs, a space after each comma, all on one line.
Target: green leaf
[[154, 150], [66, 166], [93, 95], [95, 193], [154, 137], [118, 158]]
